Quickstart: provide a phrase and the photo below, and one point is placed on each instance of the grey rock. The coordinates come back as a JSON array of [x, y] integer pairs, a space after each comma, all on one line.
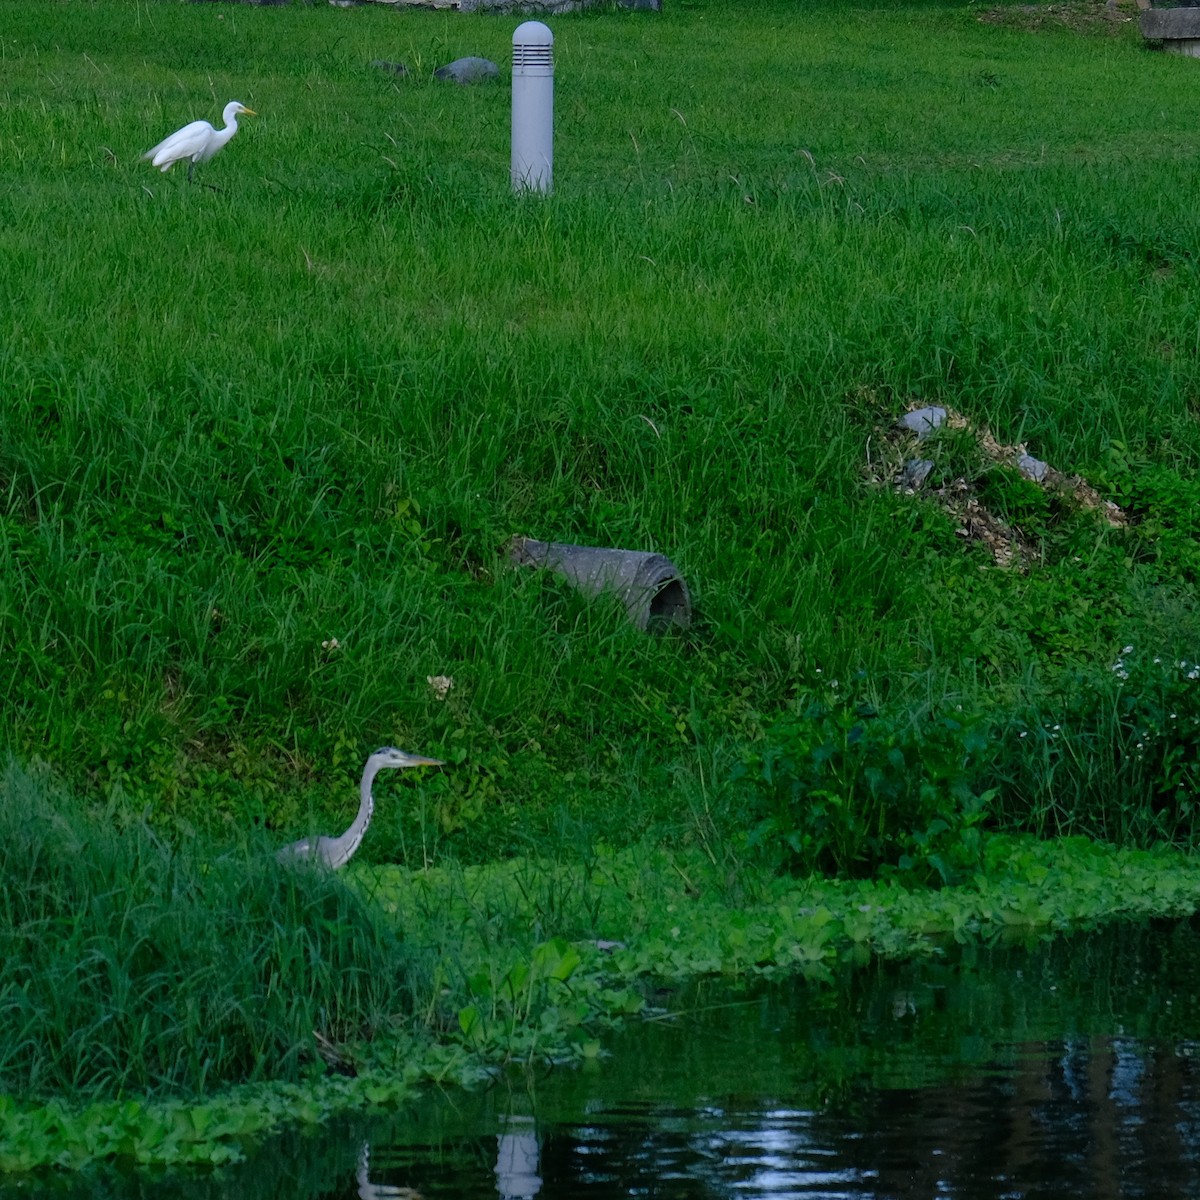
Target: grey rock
[[542, 7], [468, 70], [915, 472], [922, 421], [393, 68], [1032, 468], [529, 7]]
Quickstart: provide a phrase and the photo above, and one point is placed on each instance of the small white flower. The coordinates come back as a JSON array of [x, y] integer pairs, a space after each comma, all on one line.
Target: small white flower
[[1024, 732], [1127, 650], [439, 685], [331, 644]]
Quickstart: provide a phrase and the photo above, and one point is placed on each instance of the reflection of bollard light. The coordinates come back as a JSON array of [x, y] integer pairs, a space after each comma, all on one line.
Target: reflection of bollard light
[[532, 107], [517, 1155]]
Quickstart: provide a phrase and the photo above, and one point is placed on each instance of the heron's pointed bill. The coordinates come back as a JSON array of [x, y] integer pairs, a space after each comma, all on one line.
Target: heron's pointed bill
[[249, 112], [418, 760]]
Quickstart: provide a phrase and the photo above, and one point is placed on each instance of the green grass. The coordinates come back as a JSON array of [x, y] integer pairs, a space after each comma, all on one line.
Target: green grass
[[317, 402], [128, 968]]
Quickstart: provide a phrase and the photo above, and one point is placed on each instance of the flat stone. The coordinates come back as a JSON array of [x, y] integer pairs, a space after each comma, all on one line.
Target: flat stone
[[468, 70], [922, 421], [1168, 24], [1032, 468]]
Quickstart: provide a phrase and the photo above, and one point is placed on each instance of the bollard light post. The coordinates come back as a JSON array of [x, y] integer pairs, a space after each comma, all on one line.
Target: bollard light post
[[532, 108]]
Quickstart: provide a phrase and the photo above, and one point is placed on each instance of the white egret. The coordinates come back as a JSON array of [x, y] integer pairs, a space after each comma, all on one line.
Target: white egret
[[337, 851], [198, 141]]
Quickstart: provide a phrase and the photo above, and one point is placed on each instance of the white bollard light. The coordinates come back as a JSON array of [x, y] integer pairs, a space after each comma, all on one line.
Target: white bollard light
[[532, 107]]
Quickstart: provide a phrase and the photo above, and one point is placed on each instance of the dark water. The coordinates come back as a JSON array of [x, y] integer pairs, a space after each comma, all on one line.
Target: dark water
[[1065, 1069]]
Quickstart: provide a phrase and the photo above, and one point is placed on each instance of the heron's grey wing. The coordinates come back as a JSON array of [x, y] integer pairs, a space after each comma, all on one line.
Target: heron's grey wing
[[183, 143], [331, 852], [295, 852]]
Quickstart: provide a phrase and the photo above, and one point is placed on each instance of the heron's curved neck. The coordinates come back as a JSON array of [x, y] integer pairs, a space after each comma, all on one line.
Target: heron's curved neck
[[349, 840]]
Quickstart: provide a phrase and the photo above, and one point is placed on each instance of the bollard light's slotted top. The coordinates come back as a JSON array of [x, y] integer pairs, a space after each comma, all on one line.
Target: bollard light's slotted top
[[532, 46]]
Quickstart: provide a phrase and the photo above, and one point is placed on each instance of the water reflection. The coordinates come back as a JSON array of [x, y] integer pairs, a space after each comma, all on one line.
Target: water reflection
[[369, 1190], [1063, 1069], [1083, 1118], [517, 1159], [1066, 1069]]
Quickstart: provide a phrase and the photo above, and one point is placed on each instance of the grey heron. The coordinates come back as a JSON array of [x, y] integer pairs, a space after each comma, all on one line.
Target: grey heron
[[336, 852]]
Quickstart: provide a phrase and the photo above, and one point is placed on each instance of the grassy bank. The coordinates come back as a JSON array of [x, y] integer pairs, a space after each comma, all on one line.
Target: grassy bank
[[263, 446]]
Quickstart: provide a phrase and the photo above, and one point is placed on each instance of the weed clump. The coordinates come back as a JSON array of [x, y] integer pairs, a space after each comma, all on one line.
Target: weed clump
[[846, 790], [130, 964]]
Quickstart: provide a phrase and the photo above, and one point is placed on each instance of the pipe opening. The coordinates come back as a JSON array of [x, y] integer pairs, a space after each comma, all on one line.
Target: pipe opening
[[669, 606]]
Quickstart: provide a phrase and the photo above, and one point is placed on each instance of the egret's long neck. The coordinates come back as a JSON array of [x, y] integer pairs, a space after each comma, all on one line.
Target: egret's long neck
[[229, 130]]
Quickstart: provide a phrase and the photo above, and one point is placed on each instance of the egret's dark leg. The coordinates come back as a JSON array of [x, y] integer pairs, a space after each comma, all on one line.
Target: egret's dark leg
[[212, 187]]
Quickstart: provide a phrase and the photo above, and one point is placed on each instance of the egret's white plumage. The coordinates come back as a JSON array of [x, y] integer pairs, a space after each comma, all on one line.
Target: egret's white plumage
[[198, 141]]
